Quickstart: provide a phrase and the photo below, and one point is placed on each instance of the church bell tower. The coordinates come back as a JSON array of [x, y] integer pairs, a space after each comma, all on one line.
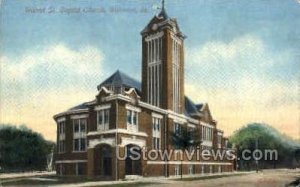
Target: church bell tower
[[163, 63]]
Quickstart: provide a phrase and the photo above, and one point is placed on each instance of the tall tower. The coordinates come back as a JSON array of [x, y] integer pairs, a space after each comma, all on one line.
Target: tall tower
[[163, 63]]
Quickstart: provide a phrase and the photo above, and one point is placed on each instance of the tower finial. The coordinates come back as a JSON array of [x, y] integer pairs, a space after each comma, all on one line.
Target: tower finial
[[162, 14]]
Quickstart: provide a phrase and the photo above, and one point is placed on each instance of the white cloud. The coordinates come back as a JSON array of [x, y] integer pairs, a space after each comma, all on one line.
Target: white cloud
[[38, 109], [55, 67], [216, 52], [236, 80], [53, 62], [238, 71], [44, 82], [224, 63]]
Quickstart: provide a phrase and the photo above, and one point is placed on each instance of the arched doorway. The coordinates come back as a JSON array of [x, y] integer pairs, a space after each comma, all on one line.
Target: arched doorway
[[106, 160], [103, 160], [133, 161]]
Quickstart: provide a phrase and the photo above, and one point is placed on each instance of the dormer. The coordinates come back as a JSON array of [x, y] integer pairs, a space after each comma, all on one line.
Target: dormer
[[119, 83]]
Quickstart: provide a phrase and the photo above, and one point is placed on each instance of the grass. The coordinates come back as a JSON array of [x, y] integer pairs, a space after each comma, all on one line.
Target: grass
[[19, 181], [22, 177], [209, 177], [61, 180], [75, 179]]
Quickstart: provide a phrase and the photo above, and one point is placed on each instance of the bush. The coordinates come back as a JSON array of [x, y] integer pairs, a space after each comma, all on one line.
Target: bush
[[21, 149]]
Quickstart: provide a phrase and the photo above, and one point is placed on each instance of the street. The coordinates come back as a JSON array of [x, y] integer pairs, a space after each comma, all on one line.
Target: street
[[267, 178]]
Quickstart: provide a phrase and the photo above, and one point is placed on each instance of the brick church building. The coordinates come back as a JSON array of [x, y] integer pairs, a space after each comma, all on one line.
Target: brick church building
[[127, 113]]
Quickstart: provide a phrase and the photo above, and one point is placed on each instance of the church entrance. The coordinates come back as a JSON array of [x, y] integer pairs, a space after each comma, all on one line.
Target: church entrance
[[106, 161], [133, 164], [103, 160]]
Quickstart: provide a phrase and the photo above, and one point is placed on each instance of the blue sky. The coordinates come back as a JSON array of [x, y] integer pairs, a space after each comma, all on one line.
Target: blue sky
[[236, 51]]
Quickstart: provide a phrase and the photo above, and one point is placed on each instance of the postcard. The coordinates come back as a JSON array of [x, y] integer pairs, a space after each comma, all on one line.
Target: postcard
[[149, 92]]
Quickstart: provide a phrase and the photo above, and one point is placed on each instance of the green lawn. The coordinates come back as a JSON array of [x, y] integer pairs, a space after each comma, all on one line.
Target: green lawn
[[54, 180]]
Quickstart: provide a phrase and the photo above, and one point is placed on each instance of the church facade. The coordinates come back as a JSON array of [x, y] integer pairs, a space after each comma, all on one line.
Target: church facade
[[92, 136]]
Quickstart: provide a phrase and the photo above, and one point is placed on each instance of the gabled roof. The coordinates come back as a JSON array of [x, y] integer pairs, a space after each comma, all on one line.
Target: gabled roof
[[206, 112], [120, 79], [199, 106], [190, 107], [80, 107]]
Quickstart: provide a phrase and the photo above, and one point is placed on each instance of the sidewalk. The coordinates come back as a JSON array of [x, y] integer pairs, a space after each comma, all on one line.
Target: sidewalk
[[159, 180]]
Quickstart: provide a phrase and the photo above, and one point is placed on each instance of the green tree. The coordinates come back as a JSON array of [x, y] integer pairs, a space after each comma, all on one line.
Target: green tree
[[267, 138], [22, 149], [183, 139]]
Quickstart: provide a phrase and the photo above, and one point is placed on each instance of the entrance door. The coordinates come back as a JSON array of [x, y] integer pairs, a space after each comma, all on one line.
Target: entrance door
[[106, 160], [133, 166], [107, 166]]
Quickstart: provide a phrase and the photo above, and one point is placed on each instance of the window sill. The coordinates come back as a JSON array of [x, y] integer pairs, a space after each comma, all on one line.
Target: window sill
[[78, 151], [133, 125], [102, 125], [113, 131], [103, 130]]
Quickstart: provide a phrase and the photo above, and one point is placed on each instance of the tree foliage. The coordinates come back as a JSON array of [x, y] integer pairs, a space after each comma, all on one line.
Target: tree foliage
[[22, 149], [267, 138], [184, 140]]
